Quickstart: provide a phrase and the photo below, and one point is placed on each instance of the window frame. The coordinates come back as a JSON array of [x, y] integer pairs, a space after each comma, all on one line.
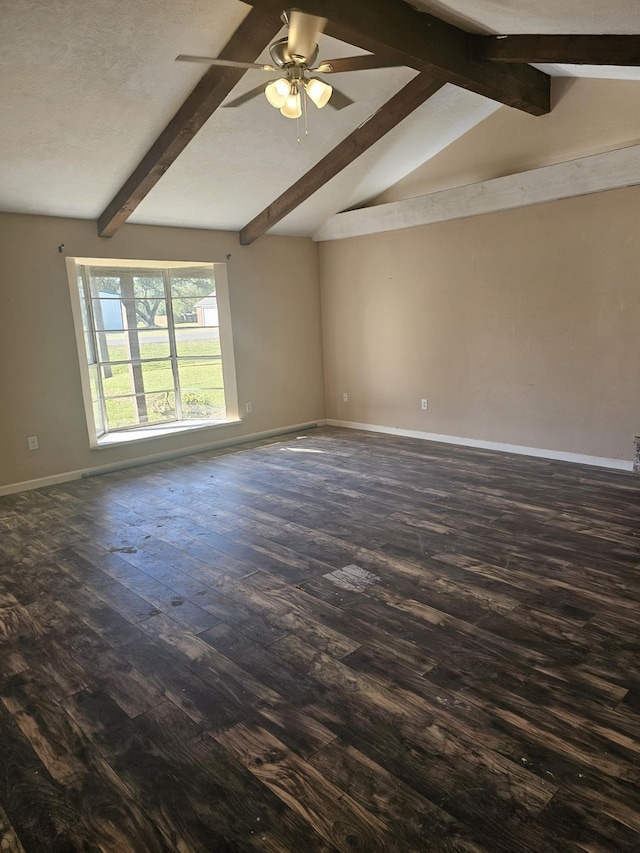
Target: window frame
[[156, 429]]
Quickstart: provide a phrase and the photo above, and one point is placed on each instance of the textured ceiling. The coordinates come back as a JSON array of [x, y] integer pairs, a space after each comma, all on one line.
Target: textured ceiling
[[86, 87]]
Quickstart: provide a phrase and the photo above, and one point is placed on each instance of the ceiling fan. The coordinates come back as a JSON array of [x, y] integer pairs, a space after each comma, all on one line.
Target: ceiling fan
[[294, 56]]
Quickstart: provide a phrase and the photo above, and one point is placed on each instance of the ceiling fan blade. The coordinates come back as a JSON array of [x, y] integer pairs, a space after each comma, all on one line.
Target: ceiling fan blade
[[242, 99], [227, 63], [303, 34], [354, 63], [339, 100]]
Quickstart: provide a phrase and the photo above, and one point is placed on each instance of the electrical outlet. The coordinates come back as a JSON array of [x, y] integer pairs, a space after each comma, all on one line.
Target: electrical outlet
[[345, 397], [32, 441], [424, 405], [249, 408]]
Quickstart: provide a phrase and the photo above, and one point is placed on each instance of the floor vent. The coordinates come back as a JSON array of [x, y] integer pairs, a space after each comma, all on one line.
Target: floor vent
[[353, 578]]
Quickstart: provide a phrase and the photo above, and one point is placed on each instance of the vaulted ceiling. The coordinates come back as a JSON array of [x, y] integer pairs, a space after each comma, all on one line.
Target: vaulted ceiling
[[90, 95]]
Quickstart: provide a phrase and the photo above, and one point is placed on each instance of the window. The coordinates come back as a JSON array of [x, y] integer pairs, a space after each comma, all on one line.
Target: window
[[155, 344]]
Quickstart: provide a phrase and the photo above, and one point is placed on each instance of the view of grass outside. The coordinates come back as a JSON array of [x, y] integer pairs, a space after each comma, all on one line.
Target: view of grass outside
[[200, 382]]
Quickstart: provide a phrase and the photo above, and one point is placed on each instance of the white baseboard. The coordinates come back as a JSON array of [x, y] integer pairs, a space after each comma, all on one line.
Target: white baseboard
[[559, 455], [27, 485], [65, 477]]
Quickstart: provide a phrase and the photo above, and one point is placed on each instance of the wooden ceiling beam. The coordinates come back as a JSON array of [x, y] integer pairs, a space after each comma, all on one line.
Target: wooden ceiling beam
[[567, 49], [415, 93], [252, 36], [395, 29]]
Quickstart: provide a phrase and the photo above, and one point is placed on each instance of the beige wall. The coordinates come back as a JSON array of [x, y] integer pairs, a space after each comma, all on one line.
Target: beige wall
[[588, 117], [520, 327], [276, 325]]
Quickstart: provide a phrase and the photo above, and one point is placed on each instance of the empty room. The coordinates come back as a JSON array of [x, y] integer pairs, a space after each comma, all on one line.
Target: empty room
[[320, 435]]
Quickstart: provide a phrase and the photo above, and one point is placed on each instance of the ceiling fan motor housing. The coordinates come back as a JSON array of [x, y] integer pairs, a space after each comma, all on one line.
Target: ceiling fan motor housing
[[281, 57]]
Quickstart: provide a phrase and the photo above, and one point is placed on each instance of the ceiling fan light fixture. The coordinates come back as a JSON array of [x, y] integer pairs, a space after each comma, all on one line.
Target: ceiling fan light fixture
[[293, 105], [318, 91], [277, 92]]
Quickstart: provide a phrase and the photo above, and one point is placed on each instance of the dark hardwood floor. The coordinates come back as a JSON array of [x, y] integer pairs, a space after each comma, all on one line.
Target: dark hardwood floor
[[335, 641]]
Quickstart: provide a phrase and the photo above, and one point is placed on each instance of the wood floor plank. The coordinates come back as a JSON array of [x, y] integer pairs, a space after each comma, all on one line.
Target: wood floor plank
[[492, 823], [414, 823], [152, 595], [90, 657], [334, 815], [201, 702], [279, 607], [104, 804], [590, 822], [417, 723], [291, 724], [187, 783], [9, 841], [37, 807], [234, 682]]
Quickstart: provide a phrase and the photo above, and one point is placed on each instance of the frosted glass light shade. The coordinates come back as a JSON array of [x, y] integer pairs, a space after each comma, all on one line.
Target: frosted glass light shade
[[293, 106], [277, 92], [318, 91]]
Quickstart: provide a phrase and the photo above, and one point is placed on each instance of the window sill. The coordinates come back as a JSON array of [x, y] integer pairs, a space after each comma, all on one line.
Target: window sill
[[114, 439]]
